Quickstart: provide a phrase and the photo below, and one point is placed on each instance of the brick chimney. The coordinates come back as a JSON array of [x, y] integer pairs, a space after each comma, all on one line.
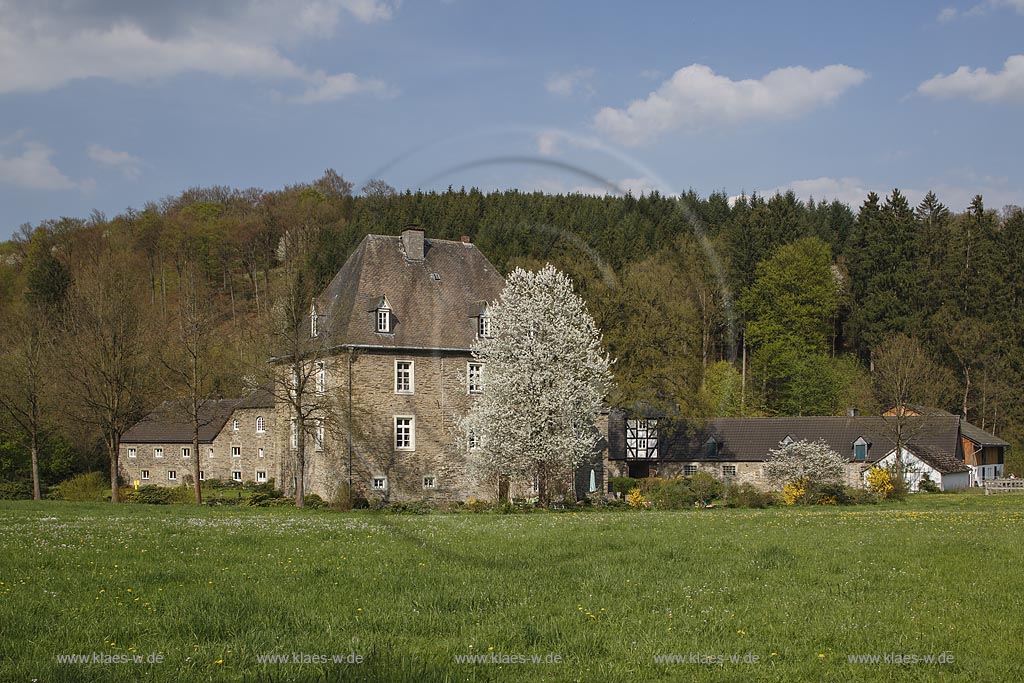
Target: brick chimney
[[852, 412], [412, 242], [466, 240]]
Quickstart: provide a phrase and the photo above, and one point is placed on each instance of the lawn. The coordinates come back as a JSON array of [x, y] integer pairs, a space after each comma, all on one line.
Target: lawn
[[212, 590]]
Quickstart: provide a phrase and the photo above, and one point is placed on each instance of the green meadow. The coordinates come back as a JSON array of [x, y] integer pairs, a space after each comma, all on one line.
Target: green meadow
[[176, 593]]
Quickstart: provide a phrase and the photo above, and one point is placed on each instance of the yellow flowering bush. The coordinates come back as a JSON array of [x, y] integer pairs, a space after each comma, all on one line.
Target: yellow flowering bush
[[794, 491], [880, 481], [635, 498]]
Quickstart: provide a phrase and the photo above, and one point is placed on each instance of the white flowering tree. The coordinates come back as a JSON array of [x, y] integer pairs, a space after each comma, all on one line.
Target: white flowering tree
[[545, 377], [808, 461]]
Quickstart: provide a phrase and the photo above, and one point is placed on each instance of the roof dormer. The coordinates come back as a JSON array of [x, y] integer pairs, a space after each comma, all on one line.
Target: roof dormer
[[860, 449], [383, 316]]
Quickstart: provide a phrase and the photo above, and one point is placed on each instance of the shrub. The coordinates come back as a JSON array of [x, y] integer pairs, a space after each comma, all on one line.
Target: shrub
[[672, 494], [886, 483], [415, 507], [15, 490], [623, 485], [793, 492], [342, 498], [153, 495], [705, 487], [314, 502], [747, 495], [863, 497], [86, 487], [635, 499], [927, 485], [360, 503], [804, 461]]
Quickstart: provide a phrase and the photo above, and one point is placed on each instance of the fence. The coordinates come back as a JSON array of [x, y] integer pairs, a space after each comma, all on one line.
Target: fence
[[1004, 486]]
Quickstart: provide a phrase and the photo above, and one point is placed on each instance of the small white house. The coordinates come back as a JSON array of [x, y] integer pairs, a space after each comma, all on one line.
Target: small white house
[[947, 472]]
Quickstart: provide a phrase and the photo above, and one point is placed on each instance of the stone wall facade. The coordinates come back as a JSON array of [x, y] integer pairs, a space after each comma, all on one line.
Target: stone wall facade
[[745, 472], [258, 455]]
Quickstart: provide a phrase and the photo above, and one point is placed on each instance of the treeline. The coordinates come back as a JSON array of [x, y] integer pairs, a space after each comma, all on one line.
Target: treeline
[[710, 306]]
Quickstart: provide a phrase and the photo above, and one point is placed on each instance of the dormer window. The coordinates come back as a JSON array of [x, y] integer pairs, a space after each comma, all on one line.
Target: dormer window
[[788, 440], [383, 316], [383, 319], [484, 326], [711, 448], [313, 331], [860, 450]]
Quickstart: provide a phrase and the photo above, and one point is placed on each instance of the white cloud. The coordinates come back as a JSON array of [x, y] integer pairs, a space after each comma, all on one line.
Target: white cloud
[[947, 14], [328, 88], [547, 142], [696, 97], [980, 84], [46, 44], [130, 166], [849, 190], [33, 170], [569, 83], [981, 9]]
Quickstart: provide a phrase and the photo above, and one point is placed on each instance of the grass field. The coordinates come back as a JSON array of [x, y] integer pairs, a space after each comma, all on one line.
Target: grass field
[[213, 590]]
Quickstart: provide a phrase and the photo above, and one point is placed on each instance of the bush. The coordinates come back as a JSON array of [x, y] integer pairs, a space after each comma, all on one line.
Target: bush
[[152, 495], [86, 487], [926, 485], [360, 503], [314, 502], [886, 483], [342, 499], [415, 507], [672, 494], [635, 499], [623, 485], [863, 497], [705, 487], [747, 495], [15, 490]]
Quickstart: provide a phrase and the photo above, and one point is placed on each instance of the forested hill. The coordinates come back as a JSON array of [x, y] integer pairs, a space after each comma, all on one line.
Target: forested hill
[[762, 305]]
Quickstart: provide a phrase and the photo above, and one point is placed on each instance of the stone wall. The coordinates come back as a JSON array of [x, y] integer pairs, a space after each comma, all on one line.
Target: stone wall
[[220, 465], [747, 471]]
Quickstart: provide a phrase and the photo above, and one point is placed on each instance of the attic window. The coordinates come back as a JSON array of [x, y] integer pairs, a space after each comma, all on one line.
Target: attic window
[[788, 440], [383, 319], [860, 450], [711, 448], [484, 326]]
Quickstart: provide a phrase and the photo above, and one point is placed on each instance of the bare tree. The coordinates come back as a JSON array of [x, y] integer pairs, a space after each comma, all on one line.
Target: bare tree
[[188, 359], [107, 350], [24, 383], [907, 379]]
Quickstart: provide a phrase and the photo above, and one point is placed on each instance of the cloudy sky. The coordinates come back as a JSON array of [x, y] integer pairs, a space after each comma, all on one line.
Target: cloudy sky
[[105, 104]]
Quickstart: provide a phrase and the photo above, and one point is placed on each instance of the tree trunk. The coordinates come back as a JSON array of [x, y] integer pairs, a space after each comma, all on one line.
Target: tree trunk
[[543, 497], [967, 388], [300, 461], [35, 469], [196, 464], [114, 444]]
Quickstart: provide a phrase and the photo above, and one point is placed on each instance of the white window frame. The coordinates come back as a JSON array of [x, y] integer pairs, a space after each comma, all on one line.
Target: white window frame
[[313, 331], [383, 322], [429, 481], [260, 453], [234, 472], [476, 369], [172, 475], [411, 389], [234, 425], [383, 483], [145, 475], [295, 433], [211, 451], [411, 445], [186, 452], [132, 453], [236, 451], [474, 440], [319, 438], [321, 377], [483, 329], [202, 475], [261, 476], [261, 424], [158, 452]]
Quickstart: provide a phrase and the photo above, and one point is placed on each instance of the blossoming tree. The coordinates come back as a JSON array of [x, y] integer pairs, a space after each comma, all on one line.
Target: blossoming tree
[[805, 462], [544, 379]]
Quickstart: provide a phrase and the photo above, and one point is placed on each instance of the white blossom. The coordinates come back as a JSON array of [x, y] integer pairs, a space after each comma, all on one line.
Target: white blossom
[[814, 461]]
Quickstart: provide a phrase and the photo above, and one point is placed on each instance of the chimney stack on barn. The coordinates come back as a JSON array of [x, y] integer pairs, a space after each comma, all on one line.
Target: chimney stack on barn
[[412, 242]]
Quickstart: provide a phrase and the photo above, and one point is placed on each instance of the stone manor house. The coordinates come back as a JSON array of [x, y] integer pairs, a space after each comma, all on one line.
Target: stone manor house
[[394, 330]]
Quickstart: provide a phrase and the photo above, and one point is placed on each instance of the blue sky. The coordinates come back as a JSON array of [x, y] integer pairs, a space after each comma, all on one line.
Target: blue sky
[[106, 104]]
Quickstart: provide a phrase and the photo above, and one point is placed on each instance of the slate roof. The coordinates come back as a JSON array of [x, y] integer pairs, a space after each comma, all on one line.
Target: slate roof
[[941, 461], [261, 397], [428, 312], [980, 436], [167, 423], [934, 439]]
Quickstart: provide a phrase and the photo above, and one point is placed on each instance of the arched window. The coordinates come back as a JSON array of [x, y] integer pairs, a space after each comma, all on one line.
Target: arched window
[[313, 321], [261, 425]]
